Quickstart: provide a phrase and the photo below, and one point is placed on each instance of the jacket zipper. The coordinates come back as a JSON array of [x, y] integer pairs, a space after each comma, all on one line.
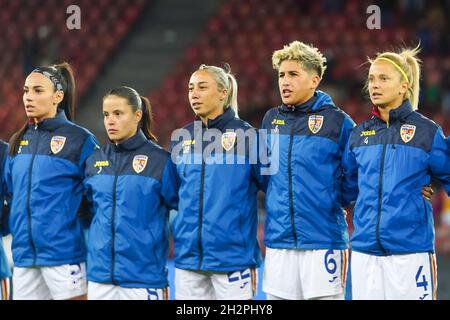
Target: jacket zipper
[[200, 216], [30, 174], [291, 195], [380, 195], [113, 232]]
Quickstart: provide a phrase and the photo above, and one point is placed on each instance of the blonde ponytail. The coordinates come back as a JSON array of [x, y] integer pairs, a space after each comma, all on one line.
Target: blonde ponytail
[[232, 94], [410, 56]]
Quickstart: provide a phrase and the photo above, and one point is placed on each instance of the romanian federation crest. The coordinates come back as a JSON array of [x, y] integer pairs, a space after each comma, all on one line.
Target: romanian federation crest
[[187, 145], [315, 123], [139, 163], [57, 144], [228, 140], [407, 132]]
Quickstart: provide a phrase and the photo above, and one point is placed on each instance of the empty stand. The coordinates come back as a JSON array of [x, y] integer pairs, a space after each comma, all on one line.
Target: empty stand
[[103, 25], [245, 34]]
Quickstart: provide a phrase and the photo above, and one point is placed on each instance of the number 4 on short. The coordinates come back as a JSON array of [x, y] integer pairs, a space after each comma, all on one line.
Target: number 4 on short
[[424, 282]]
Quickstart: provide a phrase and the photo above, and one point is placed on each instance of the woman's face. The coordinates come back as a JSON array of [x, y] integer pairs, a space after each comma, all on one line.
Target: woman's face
[[296, 84], [120, 120], [386, 85], [40, 98], [206, 100]]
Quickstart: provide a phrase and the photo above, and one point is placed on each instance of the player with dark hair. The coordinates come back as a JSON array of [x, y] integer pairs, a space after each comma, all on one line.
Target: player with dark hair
[[44, 174], [131, 185]]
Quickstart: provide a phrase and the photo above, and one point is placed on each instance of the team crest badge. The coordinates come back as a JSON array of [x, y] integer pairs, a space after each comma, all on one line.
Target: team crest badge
[[139, 163], [57, 144], [315, 123], [228, 140], [407, 132], [187, 145]]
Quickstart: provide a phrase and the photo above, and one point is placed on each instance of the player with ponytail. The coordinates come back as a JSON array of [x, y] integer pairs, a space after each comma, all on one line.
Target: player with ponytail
[[130, 183], [215, 243], [44, 174], [389, 159]]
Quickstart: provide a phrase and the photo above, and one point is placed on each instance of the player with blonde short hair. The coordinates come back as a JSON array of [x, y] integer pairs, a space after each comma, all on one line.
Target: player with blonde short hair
[[305, 231]]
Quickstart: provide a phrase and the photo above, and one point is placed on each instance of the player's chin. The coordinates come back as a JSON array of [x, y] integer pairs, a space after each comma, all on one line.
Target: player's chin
[[199, 113], [379, 102], [31, 114], [287, 102], [113, 136]]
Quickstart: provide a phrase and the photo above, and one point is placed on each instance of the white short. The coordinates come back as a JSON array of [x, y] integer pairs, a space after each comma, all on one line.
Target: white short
[[304, 274], [200, 285], [46, 283], [102, 291], [396, 277]]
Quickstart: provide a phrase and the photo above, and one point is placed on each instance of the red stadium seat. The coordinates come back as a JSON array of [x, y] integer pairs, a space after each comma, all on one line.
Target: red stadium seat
[[103, 25]]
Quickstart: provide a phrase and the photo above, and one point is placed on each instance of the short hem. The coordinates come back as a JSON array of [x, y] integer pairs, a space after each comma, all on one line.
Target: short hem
[[71, 295], [323, 294], [242, 298], [228, 298], [189, 299], [279, 294], [305, 297]]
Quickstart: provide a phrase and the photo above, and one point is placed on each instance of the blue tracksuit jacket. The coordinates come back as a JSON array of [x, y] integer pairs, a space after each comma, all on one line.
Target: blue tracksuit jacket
[[44, 180], [303, 198], [5, 270], [389, 163], [131, 186], [216, 225]]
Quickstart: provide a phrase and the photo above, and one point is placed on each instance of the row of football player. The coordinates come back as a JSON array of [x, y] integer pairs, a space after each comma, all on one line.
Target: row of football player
[[127, 187]]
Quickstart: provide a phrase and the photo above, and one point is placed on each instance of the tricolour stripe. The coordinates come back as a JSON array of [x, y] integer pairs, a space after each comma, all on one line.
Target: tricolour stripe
[[433, 272], [253, 281], [4, 289], [344, 267]]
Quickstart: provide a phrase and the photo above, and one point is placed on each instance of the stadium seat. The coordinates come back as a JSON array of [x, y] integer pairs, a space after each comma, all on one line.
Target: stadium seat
[[103, 25]]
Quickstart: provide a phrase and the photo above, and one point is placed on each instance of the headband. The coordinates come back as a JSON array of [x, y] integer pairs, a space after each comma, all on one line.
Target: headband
[[396, 66], [52, 77]]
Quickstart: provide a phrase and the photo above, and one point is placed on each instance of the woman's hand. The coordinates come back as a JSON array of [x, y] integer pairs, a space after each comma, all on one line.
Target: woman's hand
[[427, 192]]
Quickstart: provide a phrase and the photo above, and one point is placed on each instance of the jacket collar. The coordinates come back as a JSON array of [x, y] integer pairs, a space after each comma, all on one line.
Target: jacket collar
[[50, 124], [304, 107], [400, 113], [221, 121], [133, 143]]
